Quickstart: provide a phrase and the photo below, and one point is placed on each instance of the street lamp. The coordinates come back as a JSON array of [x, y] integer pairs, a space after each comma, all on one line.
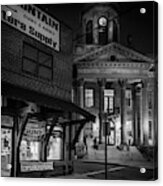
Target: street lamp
[[109, 117]]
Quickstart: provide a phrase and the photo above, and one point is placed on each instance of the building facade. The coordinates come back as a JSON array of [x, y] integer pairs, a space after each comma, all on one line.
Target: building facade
[[115, 81], [38, 117]]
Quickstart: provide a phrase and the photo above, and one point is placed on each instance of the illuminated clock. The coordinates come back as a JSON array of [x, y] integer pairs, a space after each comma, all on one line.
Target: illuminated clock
[[102, 21]]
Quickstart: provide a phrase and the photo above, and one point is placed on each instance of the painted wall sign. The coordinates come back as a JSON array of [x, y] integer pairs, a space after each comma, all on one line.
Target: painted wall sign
[[36, 166], [35, 130], [34, 22]]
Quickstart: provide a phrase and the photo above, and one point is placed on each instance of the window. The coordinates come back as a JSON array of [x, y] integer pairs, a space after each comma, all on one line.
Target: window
[[31, 143], [150, 130], [54, 147], [109, 100], [89, 98], [89, 32], [115, 31], [37, 62], [149, 113], [150, 100], [30, 150], [129, 98]]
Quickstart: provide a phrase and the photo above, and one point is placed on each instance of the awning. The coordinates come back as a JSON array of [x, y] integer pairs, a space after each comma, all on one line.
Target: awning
[[20, 93]]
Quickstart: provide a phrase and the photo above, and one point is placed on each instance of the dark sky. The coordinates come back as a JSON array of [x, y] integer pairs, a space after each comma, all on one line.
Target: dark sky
[[139, 26]]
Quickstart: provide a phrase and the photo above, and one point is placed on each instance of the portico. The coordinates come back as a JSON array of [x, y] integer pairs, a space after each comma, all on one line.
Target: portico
[[125, 82]]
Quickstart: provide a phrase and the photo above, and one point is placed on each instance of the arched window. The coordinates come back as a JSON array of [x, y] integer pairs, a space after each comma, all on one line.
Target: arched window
[[89, 32], [115, 31], [103, 30]]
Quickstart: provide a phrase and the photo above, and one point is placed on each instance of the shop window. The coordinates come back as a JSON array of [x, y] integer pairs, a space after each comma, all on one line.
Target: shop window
[[89, 98], [37, 62], [54, 148], [30, 150], [89, 32], [109, 100], [30, 147]]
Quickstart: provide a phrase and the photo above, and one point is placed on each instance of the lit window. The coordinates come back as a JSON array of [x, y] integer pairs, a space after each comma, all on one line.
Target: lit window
[[54, 147], [30, 150], [128, 98], [109, 100], [89, 97], [30, 146], [37, 62]]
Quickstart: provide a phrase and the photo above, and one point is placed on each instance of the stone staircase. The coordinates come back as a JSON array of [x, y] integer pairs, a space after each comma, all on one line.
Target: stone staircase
[[115, 155]]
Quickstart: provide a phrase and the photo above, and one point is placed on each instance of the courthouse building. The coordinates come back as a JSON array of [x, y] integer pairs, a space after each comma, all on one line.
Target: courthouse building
[[37, 120], [113, 79]]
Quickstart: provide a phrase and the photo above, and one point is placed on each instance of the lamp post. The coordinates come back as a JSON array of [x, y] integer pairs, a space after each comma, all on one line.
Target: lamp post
[[108, 117], [106, 166]]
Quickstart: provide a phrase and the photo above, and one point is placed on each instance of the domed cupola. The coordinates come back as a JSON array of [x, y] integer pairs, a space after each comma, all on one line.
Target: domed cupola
[[100, 25]]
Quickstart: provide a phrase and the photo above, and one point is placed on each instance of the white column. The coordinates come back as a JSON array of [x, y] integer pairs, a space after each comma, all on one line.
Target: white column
[[81, 102], [101, 83], [145, 119], [123, 83]]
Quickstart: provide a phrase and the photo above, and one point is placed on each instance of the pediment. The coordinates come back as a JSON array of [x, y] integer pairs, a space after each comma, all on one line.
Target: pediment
[[113, 52]]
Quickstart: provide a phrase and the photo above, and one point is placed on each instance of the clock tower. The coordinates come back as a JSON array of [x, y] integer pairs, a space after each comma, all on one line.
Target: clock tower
[[100, 25]]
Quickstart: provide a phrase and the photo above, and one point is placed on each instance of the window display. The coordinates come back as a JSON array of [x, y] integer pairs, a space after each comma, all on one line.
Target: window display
[[31, 143], [54, 148]]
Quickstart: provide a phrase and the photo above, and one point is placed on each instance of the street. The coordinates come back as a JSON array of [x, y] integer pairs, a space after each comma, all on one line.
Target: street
[[96, 170]]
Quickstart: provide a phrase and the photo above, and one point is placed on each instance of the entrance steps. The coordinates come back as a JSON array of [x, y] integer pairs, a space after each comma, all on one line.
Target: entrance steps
[[115, 155]]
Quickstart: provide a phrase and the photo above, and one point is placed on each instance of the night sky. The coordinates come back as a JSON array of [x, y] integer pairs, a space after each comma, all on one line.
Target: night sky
[[132, 23]]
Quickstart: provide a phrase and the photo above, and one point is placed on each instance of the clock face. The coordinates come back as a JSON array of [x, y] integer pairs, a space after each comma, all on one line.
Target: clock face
[[102, 21]]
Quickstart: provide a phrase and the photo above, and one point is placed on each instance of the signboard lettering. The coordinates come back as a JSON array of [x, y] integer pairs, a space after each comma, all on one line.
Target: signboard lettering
[[34, 22], [36, 166], [35, 130]]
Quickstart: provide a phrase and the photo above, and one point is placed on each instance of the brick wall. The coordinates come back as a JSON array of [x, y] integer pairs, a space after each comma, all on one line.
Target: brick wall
[[11, 63]]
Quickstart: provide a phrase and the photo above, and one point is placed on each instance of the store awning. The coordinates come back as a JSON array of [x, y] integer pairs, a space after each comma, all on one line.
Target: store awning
[[20, 93]]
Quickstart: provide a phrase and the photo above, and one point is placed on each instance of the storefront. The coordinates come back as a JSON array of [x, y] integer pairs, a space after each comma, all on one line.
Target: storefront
[[38, 140], [31, 156], [31, 148], [36, 82]]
